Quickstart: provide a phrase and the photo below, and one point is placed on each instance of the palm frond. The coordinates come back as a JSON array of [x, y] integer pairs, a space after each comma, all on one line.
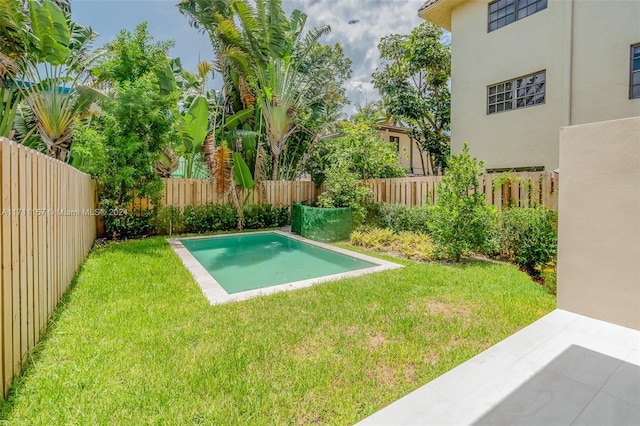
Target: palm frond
[[204, 69], [311, 38], [167, 163], [238, 60]]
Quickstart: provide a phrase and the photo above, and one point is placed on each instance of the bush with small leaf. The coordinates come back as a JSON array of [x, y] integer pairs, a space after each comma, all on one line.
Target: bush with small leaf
[[345, 190], [210, 217], [121, 224], [461, 219], [168, 220], [529, 237], [265, 216], [400, 217]]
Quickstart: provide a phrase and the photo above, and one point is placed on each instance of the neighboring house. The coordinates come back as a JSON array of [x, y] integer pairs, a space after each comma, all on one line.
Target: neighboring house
[[410, 156], [521, 69]]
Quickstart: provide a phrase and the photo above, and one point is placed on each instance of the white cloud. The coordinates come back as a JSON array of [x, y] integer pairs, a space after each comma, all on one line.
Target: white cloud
[[376, 19]]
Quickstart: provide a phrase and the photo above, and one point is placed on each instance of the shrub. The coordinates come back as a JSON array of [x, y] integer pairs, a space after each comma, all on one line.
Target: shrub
[[412, 245], [461, 220], [395, 217], [265, 216], [360, 148], [399, 217], [120, 224], [344, 190], [373, 215], [168, 220], [529, 237], [210, 217], [419, 219]]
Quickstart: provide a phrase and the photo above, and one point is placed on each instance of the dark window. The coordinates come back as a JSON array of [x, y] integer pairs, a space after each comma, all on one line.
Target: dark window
[[516, 169], [396, 141], [634, 80], [520, 92], [504, 12]]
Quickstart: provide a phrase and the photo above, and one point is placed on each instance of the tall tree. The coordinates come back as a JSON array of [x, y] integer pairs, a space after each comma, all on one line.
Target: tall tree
[[137, 124], [331, 70], [413, 83], [261, 53]]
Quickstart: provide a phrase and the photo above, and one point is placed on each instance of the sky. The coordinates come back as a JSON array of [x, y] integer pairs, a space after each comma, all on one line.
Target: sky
[[357, 25]]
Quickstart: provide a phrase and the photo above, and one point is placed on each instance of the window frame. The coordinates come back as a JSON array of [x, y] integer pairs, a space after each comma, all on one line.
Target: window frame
[[520, 10], [632, 58], [513, 93]]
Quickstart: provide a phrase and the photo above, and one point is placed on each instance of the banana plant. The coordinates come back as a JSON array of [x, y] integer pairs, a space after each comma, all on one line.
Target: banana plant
[[193, 129], [228, 168]]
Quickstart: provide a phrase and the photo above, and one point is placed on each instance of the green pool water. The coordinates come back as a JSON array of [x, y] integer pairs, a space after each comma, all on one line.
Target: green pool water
[[250, 261]]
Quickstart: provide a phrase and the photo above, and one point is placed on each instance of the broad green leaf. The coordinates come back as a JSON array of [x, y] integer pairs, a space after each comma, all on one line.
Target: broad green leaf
[[7, 111], [167, 80], [237, 118], [249, 140], [241, 172], [50, 26], [196, 120]]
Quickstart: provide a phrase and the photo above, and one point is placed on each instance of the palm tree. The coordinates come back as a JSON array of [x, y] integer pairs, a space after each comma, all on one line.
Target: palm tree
[[51, 56], [283, 98]]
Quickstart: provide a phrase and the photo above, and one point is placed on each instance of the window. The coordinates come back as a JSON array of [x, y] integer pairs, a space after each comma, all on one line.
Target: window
[[634, 80], [520, 92], [504, 12], [396, 141], [516, 169]]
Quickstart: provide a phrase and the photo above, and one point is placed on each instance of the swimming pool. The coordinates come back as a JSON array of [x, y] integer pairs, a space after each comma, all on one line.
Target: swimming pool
[[240, 266]]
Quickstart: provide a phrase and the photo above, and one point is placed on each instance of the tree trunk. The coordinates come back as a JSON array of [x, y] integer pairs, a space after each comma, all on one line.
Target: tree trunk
[[236, 203], [424, 170], [274, 166]]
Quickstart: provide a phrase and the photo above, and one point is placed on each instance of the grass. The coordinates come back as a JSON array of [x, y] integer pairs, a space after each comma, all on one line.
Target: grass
[[135, 342]]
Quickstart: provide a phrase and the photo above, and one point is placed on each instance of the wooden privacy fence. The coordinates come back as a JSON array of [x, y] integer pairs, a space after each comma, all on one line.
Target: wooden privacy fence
[[515, 189], [193, 192], [47, 227]]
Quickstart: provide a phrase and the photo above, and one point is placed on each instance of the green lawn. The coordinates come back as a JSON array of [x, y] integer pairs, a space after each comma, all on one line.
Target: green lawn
[[136, 342]]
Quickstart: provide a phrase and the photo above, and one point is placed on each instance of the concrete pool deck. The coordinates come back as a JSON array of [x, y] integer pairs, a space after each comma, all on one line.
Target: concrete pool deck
[[214, 292], [564, 369]]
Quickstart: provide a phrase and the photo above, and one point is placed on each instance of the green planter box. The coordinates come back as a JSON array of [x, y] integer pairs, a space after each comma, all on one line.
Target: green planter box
[[321, 224]]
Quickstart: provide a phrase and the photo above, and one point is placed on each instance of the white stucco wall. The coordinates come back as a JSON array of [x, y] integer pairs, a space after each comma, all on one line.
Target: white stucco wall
[[584, 46], [518, 138], [603, 32], [599, 221]]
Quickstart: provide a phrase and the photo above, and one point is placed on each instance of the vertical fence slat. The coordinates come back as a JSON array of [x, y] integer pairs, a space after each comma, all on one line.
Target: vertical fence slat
[[22, 224], [5, 252], [15, 272], [44, 237], [29, 246]]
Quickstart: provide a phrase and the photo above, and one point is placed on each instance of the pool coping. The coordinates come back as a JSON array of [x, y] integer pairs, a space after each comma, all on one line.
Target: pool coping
[[214, 292]]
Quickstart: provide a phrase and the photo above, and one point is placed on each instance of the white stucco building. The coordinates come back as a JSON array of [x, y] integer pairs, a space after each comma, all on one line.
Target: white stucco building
[[521, 69]]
